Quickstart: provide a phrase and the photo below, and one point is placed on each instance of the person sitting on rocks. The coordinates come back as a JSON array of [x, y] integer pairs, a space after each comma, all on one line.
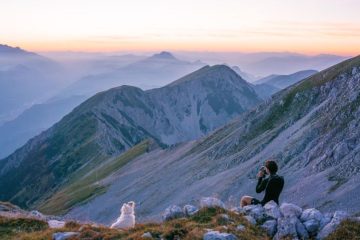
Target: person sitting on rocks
[[272, 185]]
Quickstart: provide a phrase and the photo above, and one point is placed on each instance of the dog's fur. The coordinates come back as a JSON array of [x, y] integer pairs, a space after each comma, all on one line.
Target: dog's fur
[[127, 217]]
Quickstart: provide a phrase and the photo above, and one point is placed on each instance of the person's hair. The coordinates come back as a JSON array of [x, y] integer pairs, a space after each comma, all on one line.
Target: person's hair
[[272, 166]]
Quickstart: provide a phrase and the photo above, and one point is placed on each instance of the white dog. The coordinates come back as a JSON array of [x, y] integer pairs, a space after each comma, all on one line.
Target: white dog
[[127, 217]]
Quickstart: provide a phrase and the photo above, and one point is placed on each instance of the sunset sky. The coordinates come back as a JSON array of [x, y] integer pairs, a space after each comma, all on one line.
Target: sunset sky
[[306, 26]]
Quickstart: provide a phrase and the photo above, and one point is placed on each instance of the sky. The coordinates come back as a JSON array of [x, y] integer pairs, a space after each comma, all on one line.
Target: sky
[[306, 26]]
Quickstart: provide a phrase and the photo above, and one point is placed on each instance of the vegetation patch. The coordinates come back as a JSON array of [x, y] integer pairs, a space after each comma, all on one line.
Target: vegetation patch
[[89, 186]]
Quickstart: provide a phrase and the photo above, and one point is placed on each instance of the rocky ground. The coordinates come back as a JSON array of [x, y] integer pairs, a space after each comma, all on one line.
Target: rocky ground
[[211, 220]]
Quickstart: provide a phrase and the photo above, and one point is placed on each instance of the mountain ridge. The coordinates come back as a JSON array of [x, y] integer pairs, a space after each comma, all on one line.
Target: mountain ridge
[[312, 135], [114, 121]]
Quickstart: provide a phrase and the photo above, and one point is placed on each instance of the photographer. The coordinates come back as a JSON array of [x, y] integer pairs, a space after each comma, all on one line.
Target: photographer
[[272, 185]]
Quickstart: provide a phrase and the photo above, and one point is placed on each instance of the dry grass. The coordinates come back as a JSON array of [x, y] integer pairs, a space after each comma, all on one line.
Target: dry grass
[[185, 228], [192, 228], [348, 230]]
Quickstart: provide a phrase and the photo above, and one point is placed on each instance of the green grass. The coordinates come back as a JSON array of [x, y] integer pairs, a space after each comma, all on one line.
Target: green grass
[[89, 185], [10, 227]]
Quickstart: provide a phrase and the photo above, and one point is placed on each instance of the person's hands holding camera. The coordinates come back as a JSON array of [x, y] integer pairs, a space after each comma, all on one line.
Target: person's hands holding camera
[[261, 173]]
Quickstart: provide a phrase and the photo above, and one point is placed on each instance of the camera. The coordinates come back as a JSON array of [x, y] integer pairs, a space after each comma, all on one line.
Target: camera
[[263, 169]]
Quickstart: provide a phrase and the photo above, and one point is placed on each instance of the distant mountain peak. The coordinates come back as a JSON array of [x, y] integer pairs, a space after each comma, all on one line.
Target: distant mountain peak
[[8, 49], [163, 55], [209, 73]]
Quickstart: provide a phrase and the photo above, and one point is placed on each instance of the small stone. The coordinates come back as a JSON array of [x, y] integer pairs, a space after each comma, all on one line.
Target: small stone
[[64, 235], [216, 235], [37, 215], [211, 202], [240, 228], [250, 219], [56, 224], [172, 212], [290, 210], [190, 210], [270, 227], [147, 235]]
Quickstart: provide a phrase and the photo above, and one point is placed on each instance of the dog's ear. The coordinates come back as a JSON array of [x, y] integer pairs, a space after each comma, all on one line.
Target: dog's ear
[[131, 204]]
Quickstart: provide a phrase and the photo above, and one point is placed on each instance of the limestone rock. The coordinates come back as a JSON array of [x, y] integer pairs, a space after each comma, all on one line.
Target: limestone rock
[[216, 235], [270, 227], [272, 210], [172, 212], [64, 235], [190, 210], [211, 202], [147, 235], [56, 224], [290, 210], [250, 219]]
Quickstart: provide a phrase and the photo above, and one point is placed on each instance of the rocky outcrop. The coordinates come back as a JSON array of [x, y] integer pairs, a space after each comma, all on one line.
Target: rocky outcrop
[[279, 222]]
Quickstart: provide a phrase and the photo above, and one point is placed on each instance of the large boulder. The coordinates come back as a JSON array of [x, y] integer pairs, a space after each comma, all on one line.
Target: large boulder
[[172, 212], [290, 226], [216, 235], [338, 217], [270, 227], [290, 210], [272, 210], [311, 213], [286, 226], [312, 226], [255, 211], [211, 202], [190, 210], [301, 230]]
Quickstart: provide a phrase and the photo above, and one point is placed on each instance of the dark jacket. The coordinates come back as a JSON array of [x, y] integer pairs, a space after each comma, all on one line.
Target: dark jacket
[[273, 185]]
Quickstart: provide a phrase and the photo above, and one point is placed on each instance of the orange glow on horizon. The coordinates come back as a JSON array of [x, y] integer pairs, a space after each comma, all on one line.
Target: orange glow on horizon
[[187, 46], [307, 26]]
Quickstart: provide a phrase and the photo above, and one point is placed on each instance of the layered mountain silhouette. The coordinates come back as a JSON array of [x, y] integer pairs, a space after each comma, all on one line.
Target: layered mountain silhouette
[[283, 81], [25, 78], [101, 129], [154, 71]]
